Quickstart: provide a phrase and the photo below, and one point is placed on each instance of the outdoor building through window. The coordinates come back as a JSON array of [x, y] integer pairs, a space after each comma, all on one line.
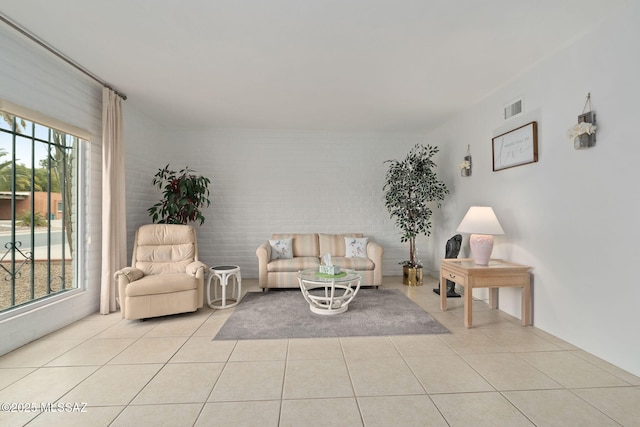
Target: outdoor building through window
[[38, 211]]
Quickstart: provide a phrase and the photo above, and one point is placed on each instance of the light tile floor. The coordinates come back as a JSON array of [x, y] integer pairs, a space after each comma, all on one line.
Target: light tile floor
[[168, 371]]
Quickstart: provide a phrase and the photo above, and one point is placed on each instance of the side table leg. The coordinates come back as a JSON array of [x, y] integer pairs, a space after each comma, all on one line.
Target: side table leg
[[239, 282], [209, 301], [223, 283]]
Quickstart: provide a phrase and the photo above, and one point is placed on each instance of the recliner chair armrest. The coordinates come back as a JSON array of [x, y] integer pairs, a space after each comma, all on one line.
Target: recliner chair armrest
[[123, 278], [196, 269], [128, 274]]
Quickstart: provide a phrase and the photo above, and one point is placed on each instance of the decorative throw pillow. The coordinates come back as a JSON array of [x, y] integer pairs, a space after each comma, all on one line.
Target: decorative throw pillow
[[356, 247], [281, 249]]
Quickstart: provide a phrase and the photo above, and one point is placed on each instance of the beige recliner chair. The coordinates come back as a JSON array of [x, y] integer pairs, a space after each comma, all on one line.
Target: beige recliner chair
[[165, 276]]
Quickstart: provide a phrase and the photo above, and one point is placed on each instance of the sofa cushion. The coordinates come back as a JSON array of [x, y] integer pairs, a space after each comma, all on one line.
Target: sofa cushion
[[281, 249], [294, 264], [302, 244], [334, 243], [356, 247], [161, 284], [359, 264]]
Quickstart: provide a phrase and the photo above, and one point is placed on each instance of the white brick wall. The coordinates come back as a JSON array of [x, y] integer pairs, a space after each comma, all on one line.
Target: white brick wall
[[266, 181], [146, 150]]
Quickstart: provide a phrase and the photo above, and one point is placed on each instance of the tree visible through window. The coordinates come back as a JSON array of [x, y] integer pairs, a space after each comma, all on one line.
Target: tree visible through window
[[38, 211]]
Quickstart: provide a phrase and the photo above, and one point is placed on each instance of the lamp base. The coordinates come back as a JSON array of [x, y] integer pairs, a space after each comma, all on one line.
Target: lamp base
[[481, 248]]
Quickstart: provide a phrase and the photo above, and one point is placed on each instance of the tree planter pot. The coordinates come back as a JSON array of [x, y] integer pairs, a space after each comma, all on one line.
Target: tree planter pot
[[412, 276]]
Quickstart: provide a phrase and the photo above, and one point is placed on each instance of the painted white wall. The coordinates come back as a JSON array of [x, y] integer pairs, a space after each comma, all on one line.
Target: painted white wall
[[573, 216], [36, 80]]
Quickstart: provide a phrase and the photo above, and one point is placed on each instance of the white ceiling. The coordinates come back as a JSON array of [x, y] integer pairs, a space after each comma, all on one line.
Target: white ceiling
[[374, 65]]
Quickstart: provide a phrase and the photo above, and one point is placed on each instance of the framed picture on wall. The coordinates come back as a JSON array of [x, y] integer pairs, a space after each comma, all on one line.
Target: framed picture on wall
[[516, 147]]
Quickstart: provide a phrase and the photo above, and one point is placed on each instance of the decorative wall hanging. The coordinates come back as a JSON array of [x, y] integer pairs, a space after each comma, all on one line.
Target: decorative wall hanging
[[465, 165], [583, 135], [516, 147]]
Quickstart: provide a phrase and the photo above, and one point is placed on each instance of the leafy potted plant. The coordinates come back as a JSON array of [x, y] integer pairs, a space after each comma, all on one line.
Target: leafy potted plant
[[184, 194], [411, 186]]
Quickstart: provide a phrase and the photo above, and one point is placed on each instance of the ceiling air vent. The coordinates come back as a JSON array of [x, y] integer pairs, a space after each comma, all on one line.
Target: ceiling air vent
[[513, 109]]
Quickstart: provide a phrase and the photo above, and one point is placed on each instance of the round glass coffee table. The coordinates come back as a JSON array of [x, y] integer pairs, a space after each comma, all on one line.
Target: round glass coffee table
[[329, 294]]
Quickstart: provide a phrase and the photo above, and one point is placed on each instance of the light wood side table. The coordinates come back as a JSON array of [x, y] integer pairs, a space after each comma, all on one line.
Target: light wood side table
[[498, 274]]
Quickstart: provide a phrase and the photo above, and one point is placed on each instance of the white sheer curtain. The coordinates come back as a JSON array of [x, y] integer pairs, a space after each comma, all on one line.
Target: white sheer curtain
[[114, 227]]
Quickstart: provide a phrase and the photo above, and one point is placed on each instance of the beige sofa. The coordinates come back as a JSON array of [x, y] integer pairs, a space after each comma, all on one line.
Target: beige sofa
[[307, 250], [165, 276]]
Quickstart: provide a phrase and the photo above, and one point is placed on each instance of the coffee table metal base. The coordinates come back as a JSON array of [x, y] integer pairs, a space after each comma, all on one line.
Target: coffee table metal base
[[325, 296]]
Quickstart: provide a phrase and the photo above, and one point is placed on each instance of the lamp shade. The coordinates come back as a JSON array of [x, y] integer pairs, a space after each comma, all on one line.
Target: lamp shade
[[482, 223], [480, 220]]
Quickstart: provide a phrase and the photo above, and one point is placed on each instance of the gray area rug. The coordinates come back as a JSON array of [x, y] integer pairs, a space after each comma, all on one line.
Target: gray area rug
[[286, 314]]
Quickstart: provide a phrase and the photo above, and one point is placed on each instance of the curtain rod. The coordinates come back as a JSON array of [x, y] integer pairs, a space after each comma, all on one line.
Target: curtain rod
[[44, 45]]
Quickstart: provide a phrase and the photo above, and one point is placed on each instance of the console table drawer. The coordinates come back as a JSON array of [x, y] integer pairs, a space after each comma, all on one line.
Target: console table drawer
[[497, 274], [458, 278]]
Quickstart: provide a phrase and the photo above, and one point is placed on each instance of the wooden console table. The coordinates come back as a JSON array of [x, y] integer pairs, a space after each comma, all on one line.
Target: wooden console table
[[498, 274]]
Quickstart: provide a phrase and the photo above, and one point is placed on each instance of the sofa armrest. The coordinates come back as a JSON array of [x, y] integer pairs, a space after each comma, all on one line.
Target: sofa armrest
[[128, 275], [264, 256], [374, 253], [196, 269]]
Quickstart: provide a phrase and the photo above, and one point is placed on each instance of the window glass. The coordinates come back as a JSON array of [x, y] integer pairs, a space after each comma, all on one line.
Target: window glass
[[38, 204]]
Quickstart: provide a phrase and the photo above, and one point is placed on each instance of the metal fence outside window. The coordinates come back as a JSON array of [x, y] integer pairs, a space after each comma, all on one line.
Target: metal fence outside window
[[38, 201]]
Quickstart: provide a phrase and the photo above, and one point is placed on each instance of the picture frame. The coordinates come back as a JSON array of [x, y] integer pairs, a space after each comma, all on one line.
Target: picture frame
[[515, 148]]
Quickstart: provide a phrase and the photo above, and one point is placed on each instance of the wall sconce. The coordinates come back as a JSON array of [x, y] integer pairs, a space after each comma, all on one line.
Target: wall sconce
[[465, 165], [583, 135]]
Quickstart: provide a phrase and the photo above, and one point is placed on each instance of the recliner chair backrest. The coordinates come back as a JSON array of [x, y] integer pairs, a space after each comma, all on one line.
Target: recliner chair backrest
[[164, 248]]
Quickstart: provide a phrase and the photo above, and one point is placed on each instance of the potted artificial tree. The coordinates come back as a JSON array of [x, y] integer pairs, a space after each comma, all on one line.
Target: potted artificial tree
[[411, 186], [184, 194]]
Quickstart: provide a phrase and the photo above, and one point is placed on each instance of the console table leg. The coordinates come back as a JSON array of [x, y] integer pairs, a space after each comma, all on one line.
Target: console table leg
[[493, 298], [443, 293], [526, 301], [468, 301]]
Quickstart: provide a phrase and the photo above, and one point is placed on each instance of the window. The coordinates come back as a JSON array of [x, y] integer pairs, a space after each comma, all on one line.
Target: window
[[38, 211]]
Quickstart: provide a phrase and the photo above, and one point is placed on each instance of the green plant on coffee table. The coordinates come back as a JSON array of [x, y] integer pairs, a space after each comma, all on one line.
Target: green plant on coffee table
[[184, 194], [411, 185]]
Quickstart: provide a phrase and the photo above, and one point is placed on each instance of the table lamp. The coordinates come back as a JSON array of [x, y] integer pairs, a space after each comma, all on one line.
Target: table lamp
[[482, 222]]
